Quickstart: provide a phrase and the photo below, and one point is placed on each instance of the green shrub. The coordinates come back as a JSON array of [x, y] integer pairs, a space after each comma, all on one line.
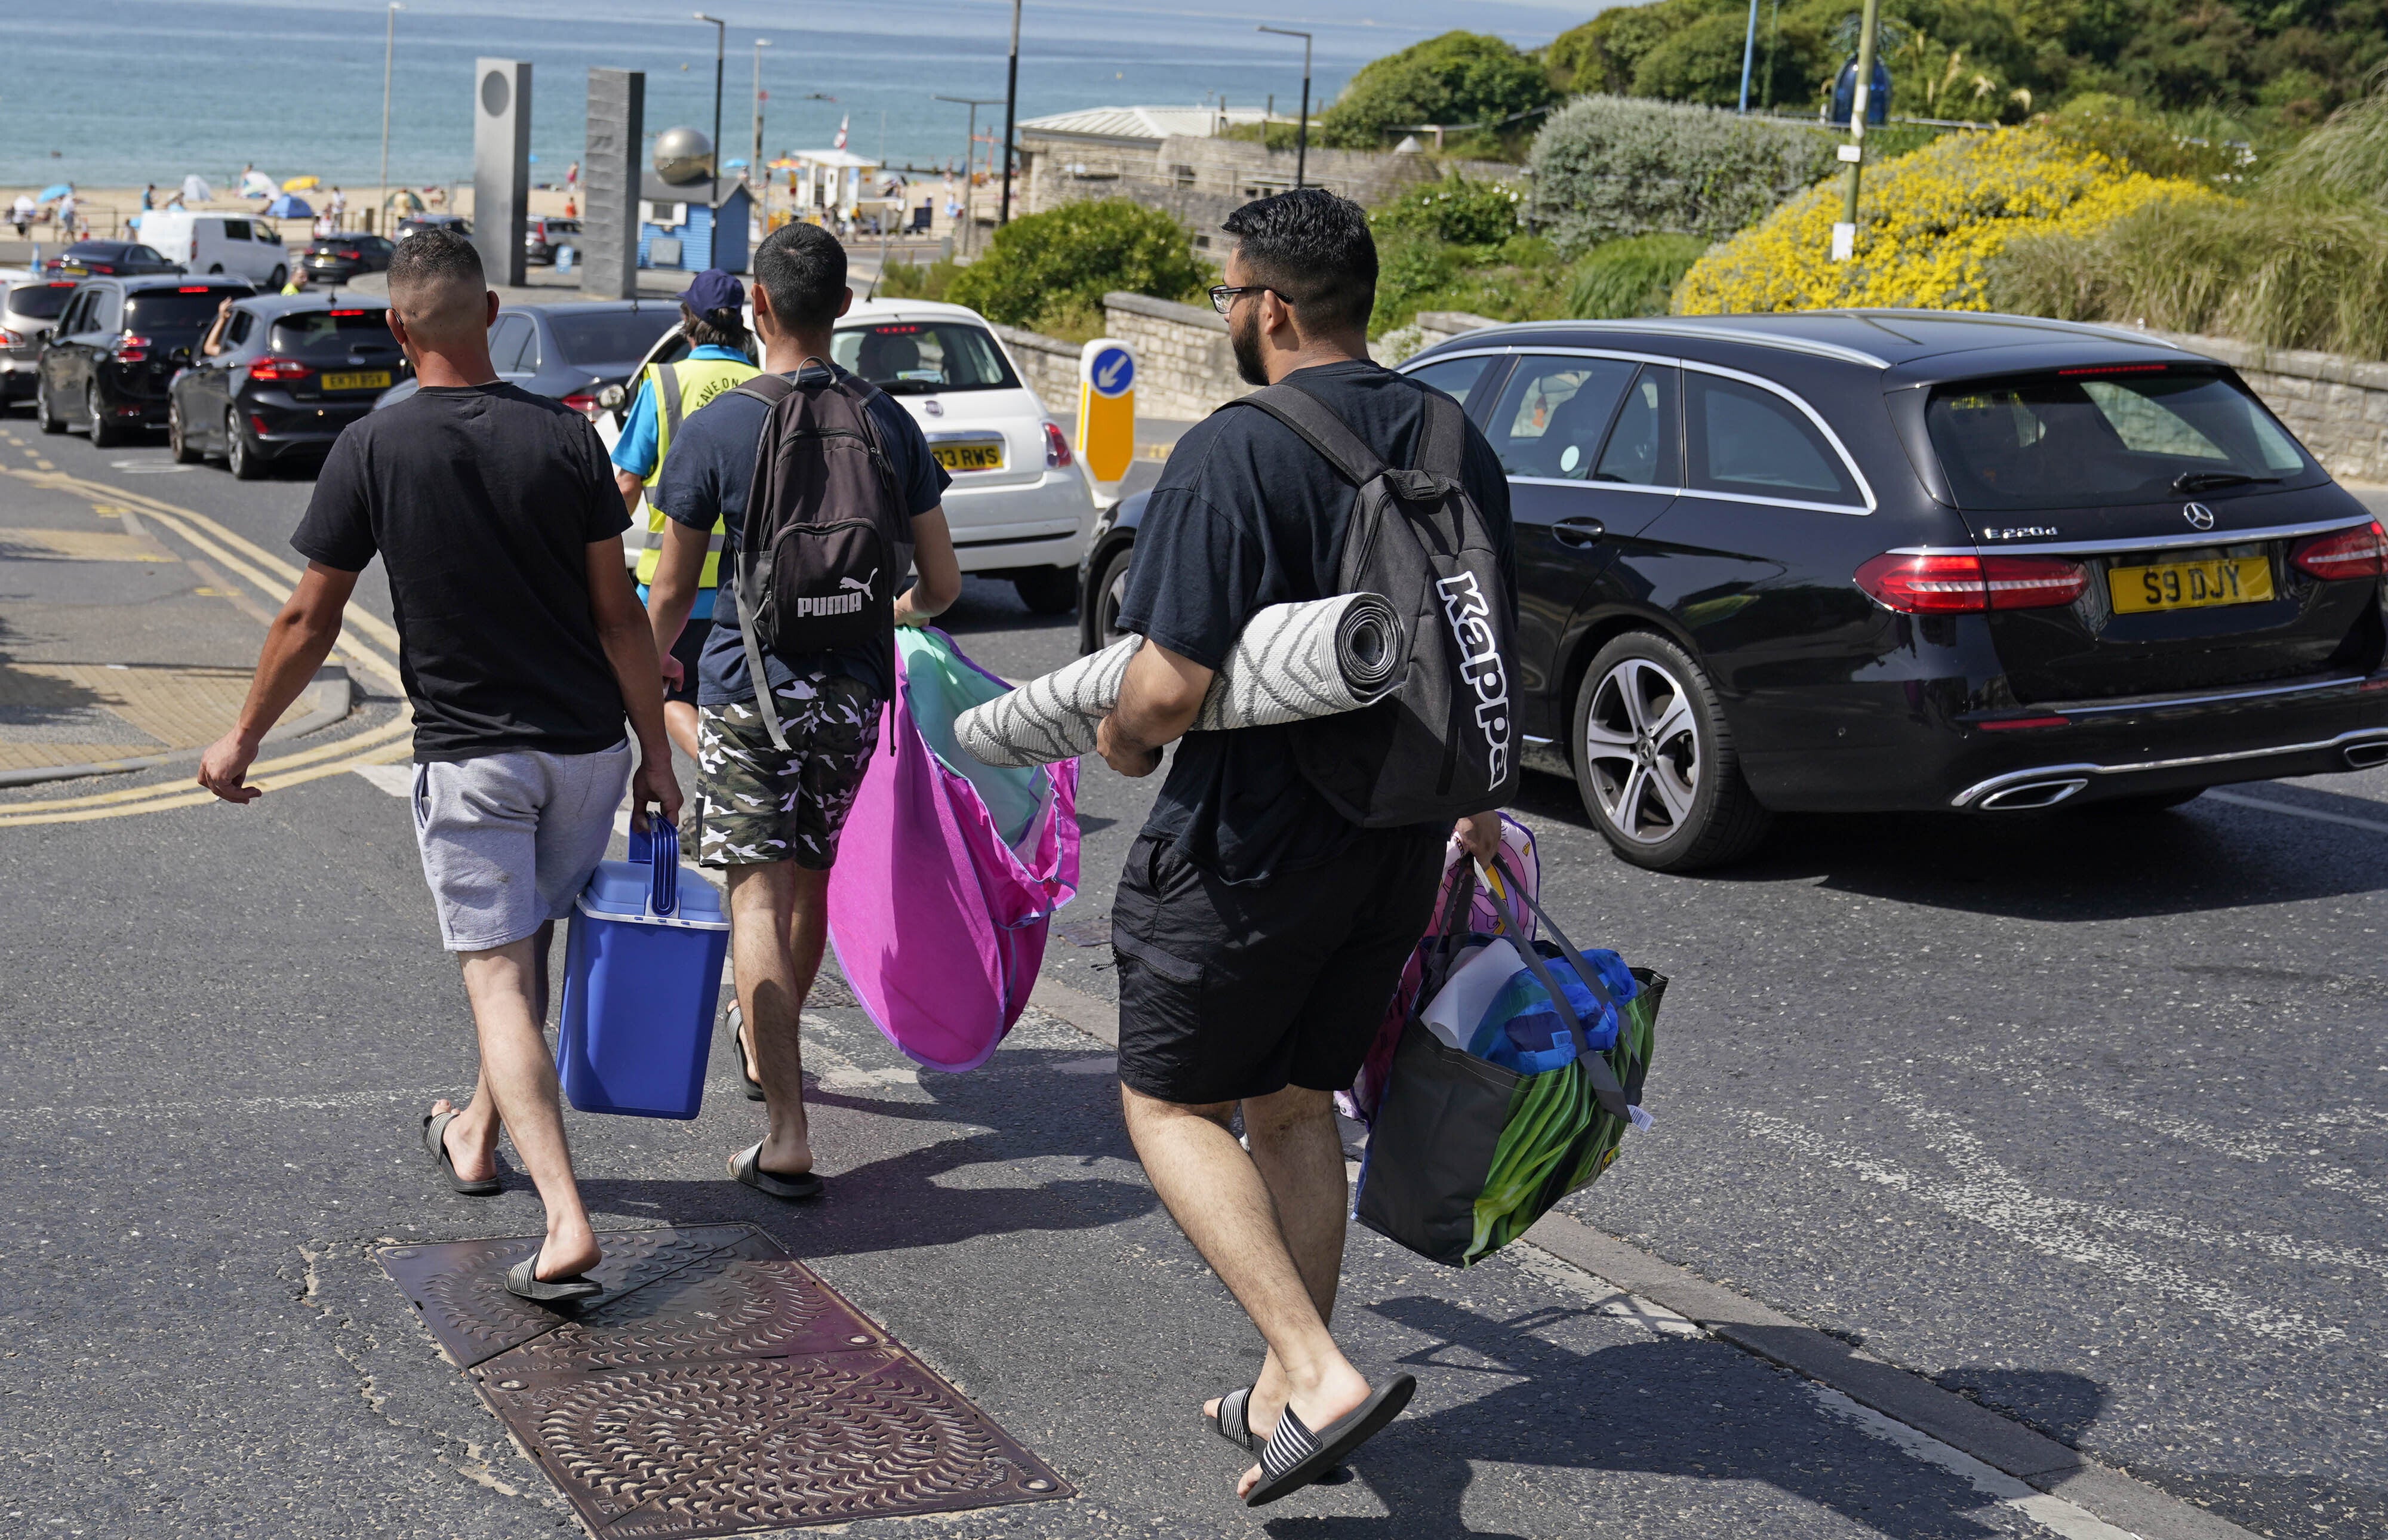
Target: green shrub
[[1072, 256], [1631, 277], [1609, 166], [903, 278], [1454, 210], [1457, 78], [2204, 146], [2348, 157]]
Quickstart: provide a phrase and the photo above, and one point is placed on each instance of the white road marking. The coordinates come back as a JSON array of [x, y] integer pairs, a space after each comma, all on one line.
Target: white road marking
[[2235, 800], [2069, 1520]]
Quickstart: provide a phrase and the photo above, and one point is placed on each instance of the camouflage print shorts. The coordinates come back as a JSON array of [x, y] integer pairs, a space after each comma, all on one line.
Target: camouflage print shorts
[[766, 803]]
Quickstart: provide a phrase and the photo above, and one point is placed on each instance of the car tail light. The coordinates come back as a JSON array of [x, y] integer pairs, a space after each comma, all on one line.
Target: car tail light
[[101, 267], [1954, 585], [10, 339], [1057, 449], [2349, 553], [278, 370], [350, 256], [129, 348], [584, 402]]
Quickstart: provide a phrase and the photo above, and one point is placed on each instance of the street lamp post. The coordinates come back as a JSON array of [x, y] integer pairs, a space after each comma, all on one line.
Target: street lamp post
[[388, 48], [755, 176], [720, 34], [1845, 234], [970, 149], [1302, 130], [1010, 108], [1748, 53]]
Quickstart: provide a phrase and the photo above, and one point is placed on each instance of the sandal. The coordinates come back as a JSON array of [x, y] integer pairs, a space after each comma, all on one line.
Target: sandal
[[737, 1041], [524, 1282], [435, 1142], [1294, 1456], [747, 1167], [1232, 1421]]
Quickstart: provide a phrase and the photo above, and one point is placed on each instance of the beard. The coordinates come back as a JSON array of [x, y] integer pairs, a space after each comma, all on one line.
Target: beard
[[1244, 336]]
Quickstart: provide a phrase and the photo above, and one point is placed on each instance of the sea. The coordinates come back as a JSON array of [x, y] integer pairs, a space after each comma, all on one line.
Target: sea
[[115, 93]]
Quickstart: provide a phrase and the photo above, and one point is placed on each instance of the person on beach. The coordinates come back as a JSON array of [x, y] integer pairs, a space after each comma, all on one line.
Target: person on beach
[[22, 213], [1258, 933], [772, 815], [720, 358], [335, 210], [149, 197], [522, 648]]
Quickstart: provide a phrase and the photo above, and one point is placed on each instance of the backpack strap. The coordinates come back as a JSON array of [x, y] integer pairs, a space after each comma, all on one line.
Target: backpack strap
[[1321, 427], [769, 389], [1442, 441]]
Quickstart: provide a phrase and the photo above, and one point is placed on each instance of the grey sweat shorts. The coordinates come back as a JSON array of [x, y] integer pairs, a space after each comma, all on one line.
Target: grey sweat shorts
[[509, 841]]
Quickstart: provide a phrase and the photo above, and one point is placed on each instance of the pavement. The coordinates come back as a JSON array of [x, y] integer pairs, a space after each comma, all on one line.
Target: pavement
[[2055, 1140]]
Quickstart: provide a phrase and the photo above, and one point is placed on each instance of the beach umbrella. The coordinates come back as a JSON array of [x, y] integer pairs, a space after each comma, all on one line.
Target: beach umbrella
[[196, 189], [55, 190], [288, 207], [300, 184]]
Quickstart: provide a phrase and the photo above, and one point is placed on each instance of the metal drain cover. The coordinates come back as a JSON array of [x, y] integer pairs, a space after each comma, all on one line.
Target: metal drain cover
[[717, 1386]]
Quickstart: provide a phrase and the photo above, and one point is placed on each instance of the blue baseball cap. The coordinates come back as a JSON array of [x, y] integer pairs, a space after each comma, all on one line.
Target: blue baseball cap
[[713, 290]]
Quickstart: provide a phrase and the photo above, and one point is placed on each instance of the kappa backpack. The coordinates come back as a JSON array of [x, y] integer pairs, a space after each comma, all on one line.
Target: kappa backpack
[[825, 539], [1443, 744]]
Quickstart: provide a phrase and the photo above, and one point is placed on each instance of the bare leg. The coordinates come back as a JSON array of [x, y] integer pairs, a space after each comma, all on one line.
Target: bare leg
[[778, 922], [1219, 1197], [679, 723], [1299, 1155], [473, 1137], [507, 987]]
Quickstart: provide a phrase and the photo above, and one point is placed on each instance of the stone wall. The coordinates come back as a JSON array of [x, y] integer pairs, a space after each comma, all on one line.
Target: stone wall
[[1184, 365], [1048, 366]]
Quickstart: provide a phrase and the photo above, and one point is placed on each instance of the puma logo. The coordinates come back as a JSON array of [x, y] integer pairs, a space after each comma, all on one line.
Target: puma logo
[[849, 598]]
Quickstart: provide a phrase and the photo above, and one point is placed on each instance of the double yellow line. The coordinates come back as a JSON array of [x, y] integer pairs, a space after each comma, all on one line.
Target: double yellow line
[[272, 576]]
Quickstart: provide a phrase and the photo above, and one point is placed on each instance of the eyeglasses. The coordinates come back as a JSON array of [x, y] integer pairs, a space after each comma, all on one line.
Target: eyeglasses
[[1224, 295]]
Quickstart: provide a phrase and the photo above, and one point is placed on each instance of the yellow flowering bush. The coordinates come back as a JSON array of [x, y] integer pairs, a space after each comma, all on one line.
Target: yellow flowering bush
[[1928, 224]]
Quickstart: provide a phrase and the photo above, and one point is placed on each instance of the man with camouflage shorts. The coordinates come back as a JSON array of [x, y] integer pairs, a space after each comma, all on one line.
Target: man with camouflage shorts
[[772, 815]]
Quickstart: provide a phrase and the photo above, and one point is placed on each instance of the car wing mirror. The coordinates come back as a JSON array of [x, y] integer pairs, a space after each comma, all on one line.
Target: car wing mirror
[[611, 398]]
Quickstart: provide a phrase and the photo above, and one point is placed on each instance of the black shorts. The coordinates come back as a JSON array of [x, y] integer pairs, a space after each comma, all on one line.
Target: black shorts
[[1228, 992], [688, 649]]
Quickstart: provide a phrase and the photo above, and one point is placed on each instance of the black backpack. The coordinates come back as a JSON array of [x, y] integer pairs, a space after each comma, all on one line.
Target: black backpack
[[1443, 744], [825, 539]]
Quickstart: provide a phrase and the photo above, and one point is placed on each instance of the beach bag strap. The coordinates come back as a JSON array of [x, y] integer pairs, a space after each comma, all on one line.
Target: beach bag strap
[[1605, 1087]]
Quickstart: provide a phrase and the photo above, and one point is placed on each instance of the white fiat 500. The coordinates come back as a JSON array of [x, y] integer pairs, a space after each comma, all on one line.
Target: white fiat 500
[[1020, 507]]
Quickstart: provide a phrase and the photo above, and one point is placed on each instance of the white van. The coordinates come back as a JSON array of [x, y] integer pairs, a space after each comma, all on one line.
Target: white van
[[218, 244]]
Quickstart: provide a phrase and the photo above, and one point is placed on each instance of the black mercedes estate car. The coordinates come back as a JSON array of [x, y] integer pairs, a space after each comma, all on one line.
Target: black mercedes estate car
[[1871, 561], [115, 348]]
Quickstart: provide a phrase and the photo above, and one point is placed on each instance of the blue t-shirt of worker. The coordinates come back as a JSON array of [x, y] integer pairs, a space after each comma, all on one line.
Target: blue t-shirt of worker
[[705, 483], [635, 451]]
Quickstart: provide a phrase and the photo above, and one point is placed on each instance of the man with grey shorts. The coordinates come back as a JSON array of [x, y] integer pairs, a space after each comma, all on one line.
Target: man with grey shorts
[[521, 646]]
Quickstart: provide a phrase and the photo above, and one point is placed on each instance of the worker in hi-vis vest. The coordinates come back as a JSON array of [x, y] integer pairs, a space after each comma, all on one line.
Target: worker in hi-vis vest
[[711, 318]]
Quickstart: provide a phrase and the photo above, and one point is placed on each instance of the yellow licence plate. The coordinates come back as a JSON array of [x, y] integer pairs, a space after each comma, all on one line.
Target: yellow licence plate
[[970, 457], [372, 379], [2190, 585]]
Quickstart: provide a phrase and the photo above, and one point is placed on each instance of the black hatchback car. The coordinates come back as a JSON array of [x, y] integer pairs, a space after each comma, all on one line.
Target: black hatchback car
[[116, 347], [293, 371], [337, 258], [1871, 561]]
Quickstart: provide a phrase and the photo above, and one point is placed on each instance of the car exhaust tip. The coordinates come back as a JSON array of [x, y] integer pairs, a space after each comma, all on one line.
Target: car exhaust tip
[[2363, 756], [2033, 794]]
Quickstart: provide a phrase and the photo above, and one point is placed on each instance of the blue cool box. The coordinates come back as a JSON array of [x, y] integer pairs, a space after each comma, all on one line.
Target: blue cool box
[[641, 977]]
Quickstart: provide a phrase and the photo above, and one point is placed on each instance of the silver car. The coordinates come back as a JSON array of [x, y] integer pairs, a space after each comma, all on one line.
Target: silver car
[[28, 308]]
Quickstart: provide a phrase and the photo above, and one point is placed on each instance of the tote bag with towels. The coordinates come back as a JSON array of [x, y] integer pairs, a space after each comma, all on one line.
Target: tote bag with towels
[[948, 869], [1465, 1154]]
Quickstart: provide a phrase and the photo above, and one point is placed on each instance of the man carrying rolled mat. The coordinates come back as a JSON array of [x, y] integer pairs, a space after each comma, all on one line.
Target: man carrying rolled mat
[[1258, 934], [772, 815], [521, 647]]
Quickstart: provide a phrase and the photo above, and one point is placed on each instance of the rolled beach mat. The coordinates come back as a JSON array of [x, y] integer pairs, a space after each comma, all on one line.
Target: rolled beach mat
[[1292, 663]]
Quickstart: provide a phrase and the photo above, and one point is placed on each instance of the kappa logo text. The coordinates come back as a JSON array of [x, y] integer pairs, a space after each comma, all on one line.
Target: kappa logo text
[[1464, 607]]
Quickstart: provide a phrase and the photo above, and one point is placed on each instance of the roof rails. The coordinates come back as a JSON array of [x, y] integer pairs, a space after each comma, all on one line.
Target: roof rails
[[2030, 323], [1686, 326]]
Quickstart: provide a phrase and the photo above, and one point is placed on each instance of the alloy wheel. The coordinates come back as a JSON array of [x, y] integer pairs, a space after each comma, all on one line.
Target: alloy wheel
[[1643, 748], [239, 459]]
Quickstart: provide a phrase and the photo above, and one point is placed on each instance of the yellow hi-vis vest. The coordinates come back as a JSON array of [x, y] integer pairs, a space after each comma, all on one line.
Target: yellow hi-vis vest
[[680, 388]]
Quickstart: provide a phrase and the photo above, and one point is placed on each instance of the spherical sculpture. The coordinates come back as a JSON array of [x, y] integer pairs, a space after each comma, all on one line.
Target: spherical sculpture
[[682, 156]]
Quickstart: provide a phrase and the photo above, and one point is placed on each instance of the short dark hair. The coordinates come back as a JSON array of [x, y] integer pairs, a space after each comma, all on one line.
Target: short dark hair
[[714, 329], [1314, 249], [802, 267], [436, 255]]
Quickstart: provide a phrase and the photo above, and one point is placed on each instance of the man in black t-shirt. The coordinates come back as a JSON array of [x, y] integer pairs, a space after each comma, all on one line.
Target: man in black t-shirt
[[1258, 933], [772, 815], [521, 647]]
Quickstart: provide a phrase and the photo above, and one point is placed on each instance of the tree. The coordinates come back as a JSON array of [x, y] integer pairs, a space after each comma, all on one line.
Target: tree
[[1072, 256], [1459, 78]]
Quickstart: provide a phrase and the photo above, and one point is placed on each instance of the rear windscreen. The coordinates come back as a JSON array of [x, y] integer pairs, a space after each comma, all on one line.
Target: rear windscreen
[[916, 358], [39, 301], [337, 332], [2088, 438], [168, 310], [610, 336]]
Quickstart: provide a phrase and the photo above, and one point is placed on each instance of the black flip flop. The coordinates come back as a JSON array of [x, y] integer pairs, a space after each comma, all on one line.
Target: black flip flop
[[435, 1142], [747, 1167], [1295, 1458], [746, 1070], [1233, 1423], [524, 1282]]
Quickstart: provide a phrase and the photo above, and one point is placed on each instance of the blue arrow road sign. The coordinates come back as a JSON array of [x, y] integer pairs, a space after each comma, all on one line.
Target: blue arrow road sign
[[1114, 372]]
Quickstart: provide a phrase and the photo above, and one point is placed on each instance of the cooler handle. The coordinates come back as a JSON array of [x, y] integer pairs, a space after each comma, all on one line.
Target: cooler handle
[[658, 844]]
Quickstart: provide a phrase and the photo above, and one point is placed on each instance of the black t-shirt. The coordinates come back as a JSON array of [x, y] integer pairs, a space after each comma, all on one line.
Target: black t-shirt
[[482, 502], [706, 475], [1246, 515]]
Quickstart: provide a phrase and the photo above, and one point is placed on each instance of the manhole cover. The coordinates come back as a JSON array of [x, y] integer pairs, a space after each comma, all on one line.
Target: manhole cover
[[718, 1386]]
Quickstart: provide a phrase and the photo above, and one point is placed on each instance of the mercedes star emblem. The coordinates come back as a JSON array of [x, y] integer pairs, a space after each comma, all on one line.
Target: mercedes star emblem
[[2199, 516]]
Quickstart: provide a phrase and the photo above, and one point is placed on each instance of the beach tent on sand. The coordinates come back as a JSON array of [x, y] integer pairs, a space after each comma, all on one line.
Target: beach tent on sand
[[288, 207], [196, 189]]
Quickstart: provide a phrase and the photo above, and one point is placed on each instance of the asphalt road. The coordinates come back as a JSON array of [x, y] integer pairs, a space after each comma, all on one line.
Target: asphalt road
[[2080, 1115]]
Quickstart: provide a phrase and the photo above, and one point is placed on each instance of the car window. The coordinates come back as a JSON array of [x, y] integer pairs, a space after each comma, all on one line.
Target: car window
[[188, 309], [70, 319], [592, 338], [1641, 447], [332, 333], [920, 357], [1748, 440], [148, 254], [1550, 418], [106, 311], [40, 301], [1454, 377], [236, 229], [506, 340], [236, 331]]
